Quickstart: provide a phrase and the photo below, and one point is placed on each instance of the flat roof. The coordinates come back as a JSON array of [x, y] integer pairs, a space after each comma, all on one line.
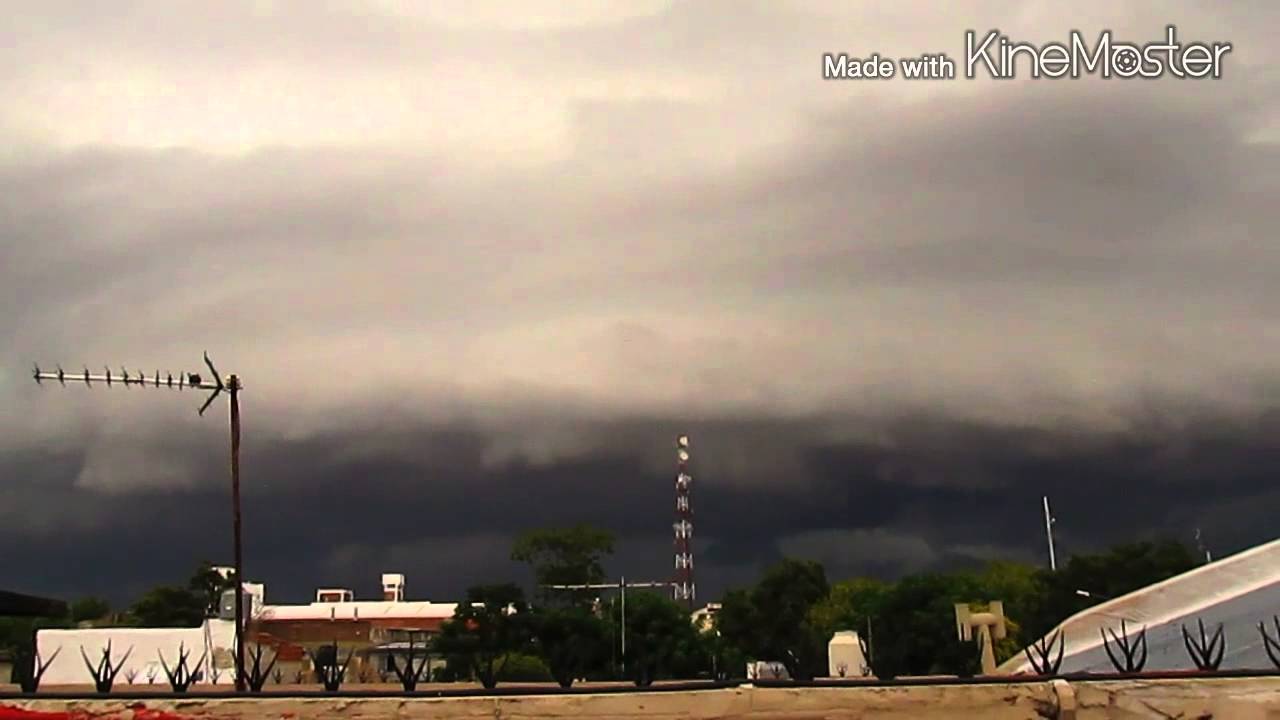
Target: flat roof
[[14, 604], [360, 610]]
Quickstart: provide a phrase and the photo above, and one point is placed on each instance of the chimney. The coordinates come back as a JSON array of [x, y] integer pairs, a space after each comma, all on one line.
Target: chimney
[[393, 587]]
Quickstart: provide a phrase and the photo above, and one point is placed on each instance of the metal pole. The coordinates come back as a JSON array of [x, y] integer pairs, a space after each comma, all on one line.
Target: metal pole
[[622, 586], [622, 590], [233, 385], [191, 381], [1048, 530], [871, 651]]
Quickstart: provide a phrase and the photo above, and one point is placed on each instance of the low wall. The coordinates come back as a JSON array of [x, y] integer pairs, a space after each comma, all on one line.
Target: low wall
[[1200, 698]]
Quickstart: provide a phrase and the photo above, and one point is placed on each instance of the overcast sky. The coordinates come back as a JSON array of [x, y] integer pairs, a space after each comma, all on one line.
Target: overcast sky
[[478, 263]]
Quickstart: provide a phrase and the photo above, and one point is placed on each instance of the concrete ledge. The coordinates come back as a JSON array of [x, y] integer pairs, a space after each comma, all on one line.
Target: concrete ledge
[[1198, 698]]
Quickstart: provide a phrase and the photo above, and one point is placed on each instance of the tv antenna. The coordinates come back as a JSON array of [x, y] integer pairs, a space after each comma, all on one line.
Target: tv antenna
[[621, 586], [187, 381]]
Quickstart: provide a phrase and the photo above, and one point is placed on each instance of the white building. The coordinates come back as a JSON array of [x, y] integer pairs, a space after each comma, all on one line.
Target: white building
[[214, 641]]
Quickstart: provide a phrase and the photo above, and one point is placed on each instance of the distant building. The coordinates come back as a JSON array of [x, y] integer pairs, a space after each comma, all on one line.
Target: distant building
[[371, 630], [704, 618]]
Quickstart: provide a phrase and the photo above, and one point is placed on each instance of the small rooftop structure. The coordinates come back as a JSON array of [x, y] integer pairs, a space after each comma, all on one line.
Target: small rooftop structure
[[393, 587], [704, 617], [985, 627], [334, 595], [847, 655]]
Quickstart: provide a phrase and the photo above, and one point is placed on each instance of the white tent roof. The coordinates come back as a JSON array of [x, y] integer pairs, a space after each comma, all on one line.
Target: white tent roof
[[1237, 591]]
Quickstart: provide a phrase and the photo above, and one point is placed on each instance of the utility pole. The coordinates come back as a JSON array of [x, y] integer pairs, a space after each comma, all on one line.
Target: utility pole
[[192, 381], [621, 586], [1049, 520]]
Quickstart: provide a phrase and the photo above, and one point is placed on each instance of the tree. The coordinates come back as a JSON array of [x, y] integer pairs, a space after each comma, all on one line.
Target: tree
[[169, 606], [18, 636], [851, 605], [726, 659], [208, 585], [523, 668], [772, 620], [491, 624], [565, 556], [89, 608], [915, 629], [1112, 573], [573, 642], [661, 639]]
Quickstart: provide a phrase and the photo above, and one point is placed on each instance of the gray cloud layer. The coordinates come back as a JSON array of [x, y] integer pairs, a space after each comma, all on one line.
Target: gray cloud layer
[[477, 269]]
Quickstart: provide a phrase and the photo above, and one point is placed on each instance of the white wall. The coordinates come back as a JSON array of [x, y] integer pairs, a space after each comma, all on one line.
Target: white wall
[[68, 668]]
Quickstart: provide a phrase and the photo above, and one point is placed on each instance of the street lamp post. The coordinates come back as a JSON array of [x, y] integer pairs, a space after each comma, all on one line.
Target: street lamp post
[[192, 381]]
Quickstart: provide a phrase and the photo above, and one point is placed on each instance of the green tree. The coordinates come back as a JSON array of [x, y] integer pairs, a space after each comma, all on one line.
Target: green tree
[[772, 620], [1022, 590], [18, 636], [915, 628], [726, 661], [1116, 571], [169, 606], [208, 585], [89, 608], [573, 642], [486, 628], [851, 605], [523, 668], [661, 639], [565, 556]]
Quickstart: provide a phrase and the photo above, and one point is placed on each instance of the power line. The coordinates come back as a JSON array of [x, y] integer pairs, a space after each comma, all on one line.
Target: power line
[[192, 381]]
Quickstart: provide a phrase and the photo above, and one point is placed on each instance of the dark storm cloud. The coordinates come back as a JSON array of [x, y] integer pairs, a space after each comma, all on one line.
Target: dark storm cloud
[[925, 493], [478, 270]]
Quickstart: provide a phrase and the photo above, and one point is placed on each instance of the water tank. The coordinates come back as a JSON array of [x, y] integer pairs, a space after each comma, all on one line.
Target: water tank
[[227, 608], [846, 656]]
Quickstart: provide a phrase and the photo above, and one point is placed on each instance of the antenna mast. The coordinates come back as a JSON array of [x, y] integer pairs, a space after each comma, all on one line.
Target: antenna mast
[[1200, 546], [1049, 520], [684, 588], [193, 381]]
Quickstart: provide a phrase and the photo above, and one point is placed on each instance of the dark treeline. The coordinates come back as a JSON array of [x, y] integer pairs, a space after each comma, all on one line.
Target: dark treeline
[[788, 616], [501, 634]]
